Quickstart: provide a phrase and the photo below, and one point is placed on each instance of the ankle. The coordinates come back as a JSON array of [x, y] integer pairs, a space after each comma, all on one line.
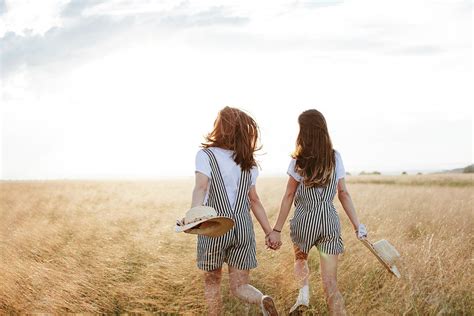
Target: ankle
[[303, 295]]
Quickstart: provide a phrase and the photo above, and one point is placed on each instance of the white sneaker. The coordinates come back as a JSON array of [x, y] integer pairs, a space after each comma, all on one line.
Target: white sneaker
[[268, 306], [302, 302], [299, 308]]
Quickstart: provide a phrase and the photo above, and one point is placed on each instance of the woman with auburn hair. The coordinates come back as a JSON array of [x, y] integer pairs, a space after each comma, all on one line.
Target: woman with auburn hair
[[226, 174], [316, 173]]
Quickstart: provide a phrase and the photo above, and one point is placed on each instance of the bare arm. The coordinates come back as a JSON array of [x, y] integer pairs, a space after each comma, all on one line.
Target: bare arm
[[274, 239], [258, 210], [286, 203], [346, 201], [200, 188]]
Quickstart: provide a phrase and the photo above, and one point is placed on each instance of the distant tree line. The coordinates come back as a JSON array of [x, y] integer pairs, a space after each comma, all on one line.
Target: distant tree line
[[376, 173], [469, 169]]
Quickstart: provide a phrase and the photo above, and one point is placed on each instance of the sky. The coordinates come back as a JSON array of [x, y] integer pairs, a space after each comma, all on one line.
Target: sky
[[127, 89]]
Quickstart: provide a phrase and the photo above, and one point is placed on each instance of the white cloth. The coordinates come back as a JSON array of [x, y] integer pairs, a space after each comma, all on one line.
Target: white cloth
[[361, 231], [340, 171], [303, 298], [229, 169]]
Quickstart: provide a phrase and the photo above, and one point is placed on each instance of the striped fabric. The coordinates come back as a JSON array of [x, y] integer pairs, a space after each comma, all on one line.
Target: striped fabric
[[237, 246], [315, 222]]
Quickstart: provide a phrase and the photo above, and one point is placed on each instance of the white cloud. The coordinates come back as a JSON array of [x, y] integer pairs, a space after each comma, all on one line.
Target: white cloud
[[131, 7], [122, 88], [26, 17]]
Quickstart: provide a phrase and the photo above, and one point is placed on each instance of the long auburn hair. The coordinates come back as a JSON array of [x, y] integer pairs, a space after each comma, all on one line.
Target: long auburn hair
[[235, 130], [315, 159]]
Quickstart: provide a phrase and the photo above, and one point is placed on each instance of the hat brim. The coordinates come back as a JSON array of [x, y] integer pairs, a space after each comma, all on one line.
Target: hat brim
[[390, 267], [215, 226]]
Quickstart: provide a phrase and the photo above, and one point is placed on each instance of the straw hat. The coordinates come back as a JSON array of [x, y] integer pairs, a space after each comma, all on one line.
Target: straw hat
[[385, 253], [203, 220]]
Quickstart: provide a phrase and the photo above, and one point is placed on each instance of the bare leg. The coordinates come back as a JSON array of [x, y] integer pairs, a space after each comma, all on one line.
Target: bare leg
[[329, 277], [212, 291], [240, 287], [302, 278], [301, 267]]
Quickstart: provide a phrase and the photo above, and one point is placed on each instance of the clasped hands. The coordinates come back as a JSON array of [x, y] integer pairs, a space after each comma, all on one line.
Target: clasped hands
[[273, 240]]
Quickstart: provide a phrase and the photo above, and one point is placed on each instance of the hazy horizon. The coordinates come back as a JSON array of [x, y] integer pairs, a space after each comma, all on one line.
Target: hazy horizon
[[261, 175]]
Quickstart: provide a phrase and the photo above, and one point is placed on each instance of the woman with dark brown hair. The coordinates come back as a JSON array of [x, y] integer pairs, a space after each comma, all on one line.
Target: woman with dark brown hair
[[226, 174], [316, 173]]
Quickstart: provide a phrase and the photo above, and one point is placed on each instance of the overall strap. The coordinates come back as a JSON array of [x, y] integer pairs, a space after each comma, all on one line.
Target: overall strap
[[217, 193], [242, 200]]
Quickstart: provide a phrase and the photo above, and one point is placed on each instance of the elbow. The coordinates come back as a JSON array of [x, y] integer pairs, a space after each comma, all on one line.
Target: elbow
[[289, 196], [343, 195], [200, 188], [254, 200]]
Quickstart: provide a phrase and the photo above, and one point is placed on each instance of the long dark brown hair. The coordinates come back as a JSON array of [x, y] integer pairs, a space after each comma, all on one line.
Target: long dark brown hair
[[235, 130], [315, 159]]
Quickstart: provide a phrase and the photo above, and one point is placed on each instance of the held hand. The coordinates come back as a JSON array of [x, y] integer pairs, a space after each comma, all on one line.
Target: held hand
[[271, 245], [361, 231], [273, 240], [181, 223], [267, 243]]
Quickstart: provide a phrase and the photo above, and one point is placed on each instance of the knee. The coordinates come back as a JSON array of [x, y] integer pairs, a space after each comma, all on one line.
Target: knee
[[301, 260], [301, 264], [213, 277], [299, 254], [234, 289]]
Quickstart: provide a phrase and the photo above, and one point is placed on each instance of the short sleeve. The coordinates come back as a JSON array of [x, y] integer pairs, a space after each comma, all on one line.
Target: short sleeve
[[340, 171], [202, 163], [254, 173], [292, 170]]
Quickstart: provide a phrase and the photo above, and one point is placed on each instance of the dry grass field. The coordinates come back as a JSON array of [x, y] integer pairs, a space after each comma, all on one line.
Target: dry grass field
[[109, 247]]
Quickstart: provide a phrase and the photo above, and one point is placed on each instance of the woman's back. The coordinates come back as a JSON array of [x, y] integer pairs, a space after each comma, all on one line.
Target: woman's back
[[230, 171], [339, 169]]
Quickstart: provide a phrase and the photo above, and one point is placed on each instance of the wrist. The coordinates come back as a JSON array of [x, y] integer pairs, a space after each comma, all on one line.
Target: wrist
[[267, 231], [277, 230]]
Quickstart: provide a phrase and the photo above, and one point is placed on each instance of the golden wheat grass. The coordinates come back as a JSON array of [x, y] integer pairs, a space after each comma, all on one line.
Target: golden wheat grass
[[109, 247]]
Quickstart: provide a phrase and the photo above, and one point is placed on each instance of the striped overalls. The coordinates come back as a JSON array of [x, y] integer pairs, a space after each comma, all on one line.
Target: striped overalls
[[316, 222], [237, 246]]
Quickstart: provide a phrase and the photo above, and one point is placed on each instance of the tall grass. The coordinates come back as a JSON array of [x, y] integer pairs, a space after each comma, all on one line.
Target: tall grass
[[109, 247]]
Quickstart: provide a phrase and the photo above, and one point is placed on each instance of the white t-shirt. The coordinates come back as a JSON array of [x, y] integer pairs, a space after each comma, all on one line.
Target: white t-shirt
[[340, 171], [229, 169]]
